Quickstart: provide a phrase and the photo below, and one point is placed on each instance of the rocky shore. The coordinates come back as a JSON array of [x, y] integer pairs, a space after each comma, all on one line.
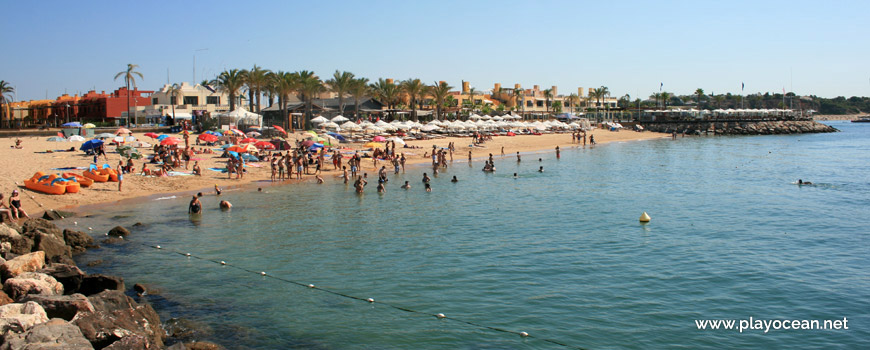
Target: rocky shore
[[48, 302], [742, 127]]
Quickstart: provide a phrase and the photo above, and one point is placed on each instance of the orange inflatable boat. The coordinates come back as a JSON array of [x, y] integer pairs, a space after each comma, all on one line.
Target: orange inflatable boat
[[51, 184], [95, 174], [107, 170], [83, 181]]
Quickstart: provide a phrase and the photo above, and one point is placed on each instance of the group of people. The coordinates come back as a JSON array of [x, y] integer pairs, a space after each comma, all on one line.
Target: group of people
[[280, 161], [13, 211], [581, 135]]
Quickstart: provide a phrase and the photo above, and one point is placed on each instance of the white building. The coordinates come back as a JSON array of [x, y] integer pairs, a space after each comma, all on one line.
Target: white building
[[192, 99]]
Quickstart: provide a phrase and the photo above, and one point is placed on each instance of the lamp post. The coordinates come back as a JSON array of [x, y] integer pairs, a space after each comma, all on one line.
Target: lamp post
[[67, 113], [194, 64]]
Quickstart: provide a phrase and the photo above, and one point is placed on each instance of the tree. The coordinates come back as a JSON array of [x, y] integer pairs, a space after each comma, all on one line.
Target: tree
[[415, 90], [174, 91], [358, 89], [548, 94], [665, 97], [440, 92], [5, 91], [256, 79], [700, 93], [574, 100], [129, 77], [310, 85], [470, 101], [230, 81], [340, 84], [557, 107], [284, 84], [386, 91], [719, 99], [518, 95]]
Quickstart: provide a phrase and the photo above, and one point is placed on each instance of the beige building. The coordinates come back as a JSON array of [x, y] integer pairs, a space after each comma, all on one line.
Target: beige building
[[193, 99], [535, 100]]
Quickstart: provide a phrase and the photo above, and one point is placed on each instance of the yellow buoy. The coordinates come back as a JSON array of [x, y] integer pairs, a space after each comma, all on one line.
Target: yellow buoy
[[644, 217]]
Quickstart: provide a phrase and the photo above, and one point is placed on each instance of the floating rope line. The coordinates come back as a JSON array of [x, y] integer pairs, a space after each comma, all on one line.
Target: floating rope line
[[368, 300]]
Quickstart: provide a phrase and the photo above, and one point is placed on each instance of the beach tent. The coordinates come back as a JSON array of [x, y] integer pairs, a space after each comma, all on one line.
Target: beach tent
[[240, 116], [397, 140], [76, 138]]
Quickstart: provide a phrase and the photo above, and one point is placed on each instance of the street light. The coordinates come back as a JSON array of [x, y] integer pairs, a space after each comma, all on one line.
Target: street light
[[67, 113]]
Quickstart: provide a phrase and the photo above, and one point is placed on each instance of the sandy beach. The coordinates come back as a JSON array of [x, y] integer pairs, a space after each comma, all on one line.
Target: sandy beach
[[21, 164]]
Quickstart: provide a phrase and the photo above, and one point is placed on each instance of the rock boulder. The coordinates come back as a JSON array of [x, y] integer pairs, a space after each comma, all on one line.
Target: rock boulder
[[25, 263], [55, 248], [119, 231], [31, 283], [78, 241], [70, 276], [33, 226], [95, 284], [19, 317], [117, 316], [54, 334], [62, 306]]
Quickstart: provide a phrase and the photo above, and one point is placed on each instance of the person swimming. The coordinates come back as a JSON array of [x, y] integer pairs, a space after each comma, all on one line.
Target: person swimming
[[217, 189], [802, 182], [226, 205], [454, 179], [428, 188], [195, 206], [406, 185], [541, 169], [515, 175]]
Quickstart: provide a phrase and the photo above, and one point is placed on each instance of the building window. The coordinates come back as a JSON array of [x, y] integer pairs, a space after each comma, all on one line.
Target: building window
[[529, 104], [191, 100], [154, 101], [213, 100], [540, 103]]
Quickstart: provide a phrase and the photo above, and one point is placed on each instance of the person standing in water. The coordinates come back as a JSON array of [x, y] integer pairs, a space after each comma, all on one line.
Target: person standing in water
[[518, 157], [120, 171], [557, 152], [195, 206]]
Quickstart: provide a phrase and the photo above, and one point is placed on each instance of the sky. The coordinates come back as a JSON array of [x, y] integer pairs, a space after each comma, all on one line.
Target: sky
[[632, 47]]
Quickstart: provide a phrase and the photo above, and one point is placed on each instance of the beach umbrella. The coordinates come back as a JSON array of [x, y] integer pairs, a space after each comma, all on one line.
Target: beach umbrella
[[129, 139], [89, 126], [237, 132], [248, 140], [339, 119], [397, 140], [239, 149], [122, 131], [337, 136], [233, 154], [379, 139], [350, 126], [118, 139], [315, 145], [76, 138], [253, 134], [319, 120], [91, 144], [329, 125], [374, 145], [72, 125], [227, 146], [312, 132], [104, 135], [307, 143], [184, 132], [169, 141], [207, 138], [151, 135], [162, 137], [253, 128], [57, 139], [280, 129], [264, 145]]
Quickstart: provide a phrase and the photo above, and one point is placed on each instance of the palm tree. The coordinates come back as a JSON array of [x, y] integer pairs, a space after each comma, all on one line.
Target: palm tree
[[174, 91], [518, 95], [129, 77], [5, 90], [386, 91], [359, 88], [470, 93], [548, 94], [415, 90], [256, 79], [665, 96], [340, 84], [284, 84], [440, 92], [574, 100], [719, 99], [230, 81], [700, 93], [310, 85]]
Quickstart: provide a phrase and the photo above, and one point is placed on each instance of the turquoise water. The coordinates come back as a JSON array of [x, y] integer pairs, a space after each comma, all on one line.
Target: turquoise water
[[558, 254]]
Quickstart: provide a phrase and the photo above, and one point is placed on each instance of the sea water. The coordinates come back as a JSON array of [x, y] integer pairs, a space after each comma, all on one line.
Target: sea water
[[558, 254]]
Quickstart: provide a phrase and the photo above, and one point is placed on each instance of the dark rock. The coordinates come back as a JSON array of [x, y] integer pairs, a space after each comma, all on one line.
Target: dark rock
[[95, 262], [54, 334], [94, 284], [203, 345], [113, 240], [62, 306], [51, 245], [139, 288], [62, 259], [32, 227], [131, 342], [117, 316], [119, 231], [137, 224], [70, 276], [78, 241], [19, 243], [5, 299]]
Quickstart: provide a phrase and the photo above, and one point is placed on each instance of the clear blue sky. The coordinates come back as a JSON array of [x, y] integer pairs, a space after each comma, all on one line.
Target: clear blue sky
[[809, 47]]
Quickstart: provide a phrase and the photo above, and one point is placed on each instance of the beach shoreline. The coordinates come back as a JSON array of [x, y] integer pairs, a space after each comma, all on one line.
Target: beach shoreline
[[138, 188]]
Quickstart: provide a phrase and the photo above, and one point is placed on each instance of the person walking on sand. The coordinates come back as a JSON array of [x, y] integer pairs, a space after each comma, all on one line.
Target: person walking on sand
[[502, 152]]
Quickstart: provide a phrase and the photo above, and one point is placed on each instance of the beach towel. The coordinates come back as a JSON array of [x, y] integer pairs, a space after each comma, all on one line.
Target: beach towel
[[220, 170], [70, 168]]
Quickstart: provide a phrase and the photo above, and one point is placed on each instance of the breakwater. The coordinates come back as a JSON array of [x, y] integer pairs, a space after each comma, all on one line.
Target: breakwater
[[741, 127]]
